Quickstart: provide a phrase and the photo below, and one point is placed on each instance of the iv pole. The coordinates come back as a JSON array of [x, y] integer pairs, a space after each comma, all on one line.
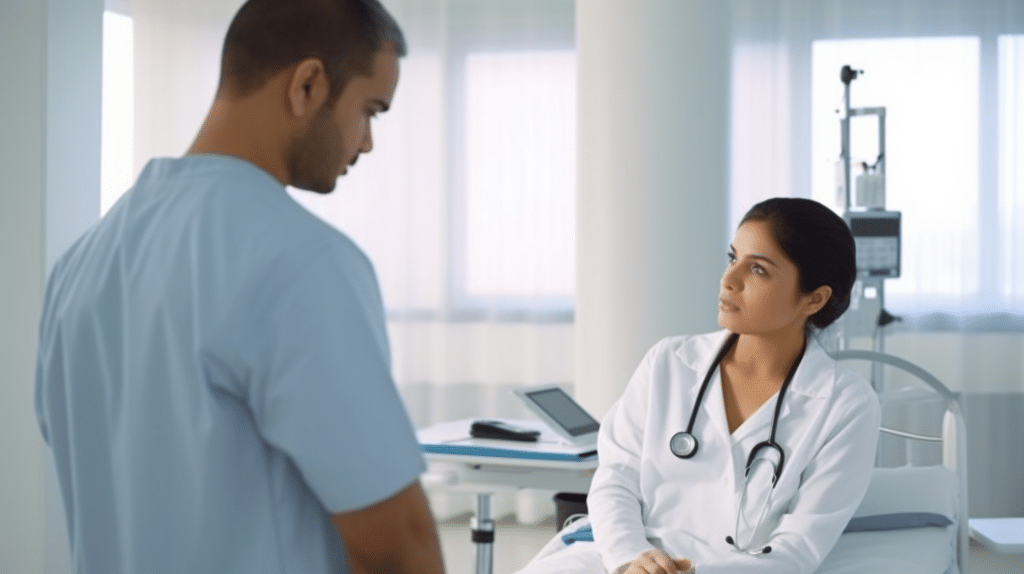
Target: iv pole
[[866, 280]]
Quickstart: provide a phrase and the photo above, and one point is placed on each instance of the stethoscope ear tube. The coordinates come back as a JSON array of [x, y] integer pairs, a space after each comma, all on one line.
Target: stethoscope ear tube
[[769, 444]]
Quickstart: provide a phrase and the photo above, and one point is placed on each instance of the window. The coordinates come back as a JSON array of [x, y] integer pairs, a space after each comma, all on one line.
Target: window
[[1010, 252], [950, 81], [930, 89], [117, 118], [512, 170], [955, 176], [466, 205], [519, 236]]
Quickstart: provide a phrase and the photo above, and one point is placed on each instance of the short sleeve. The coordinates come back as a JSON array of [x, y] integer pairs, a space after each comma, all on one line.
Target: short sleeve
[[321, 388]]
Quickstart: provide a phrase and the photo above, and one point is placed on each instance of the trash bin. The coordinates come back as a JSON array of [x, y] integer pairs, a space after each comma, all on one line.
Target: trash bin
[[568, 504]]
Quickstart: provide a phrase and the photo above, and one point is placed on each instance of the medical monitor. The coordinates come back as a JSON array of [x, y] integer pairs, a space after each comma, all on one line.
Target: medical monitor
[[877, 237], [563, 414]]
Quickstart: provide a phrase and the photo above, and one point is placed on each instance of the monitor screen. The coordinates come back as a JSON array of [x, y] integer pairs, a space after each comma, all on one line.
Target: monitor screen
[[875, 226], [563, 409]]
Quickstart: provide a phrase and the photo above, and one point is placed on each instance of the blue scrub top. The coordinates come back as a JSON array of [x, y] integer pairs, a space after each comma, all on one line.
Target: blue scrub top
[[214, 380]]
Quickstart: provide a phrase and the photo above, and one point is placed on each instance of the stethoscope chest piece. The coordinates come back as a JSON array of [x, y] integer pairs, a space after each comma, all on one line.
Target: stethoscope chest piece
[[683, 444]]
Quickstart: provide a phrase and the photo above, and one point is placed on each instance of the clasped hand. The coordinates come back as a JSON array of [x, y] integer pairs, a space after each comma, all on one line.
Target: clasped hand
[[657, 562]]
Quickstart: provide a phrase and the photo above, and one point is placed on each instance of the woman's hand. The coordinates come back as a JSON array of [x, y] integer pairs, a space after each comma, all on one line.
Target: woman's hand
[[656, 562]]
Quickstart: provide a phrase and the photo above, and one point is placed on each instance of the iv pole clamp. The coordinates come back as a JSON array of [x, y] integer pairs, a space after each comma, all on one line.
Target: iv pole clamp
[[848, 74]]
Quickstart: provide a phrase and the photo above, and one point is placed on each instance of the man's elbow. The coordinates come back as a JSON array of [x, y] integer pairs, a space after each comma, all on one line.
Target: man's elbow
[[396, 535]]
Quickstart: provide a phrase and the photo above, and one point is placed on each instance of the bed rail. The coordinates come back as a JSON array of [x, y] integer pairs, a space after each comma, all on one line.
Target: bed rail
[[953, 439]]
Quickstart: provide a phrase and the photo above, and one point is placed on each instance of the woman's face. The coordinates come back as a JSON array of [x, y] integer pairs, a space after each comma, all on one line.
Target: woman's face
[[759, 292]]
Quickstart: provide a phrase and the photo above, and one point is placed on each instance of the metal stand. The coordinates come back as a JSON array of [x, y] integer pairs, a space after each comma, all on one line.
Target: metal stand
[[876, 232], [847, 75], [483, 534]]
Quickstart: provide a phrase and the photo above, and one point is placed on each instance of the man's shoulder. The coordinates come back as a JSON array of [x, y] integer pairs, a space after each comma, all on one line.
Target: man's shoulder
[[253, 211]]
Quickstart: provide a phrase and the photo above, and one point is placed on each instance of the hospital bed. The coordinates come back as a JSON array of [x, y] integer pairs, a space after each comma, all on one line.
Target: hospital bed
[[909, 504]]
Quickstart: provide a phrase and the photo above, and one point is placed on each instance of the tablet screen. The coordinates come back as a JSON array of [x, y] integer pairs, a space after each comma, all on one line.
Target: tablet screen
[[564, 410]]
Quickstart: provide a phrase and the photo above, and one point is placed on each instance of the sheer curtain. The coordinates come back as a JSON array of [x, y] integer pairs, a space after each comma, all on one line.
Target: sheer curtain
[[465, 206], [950, 74]]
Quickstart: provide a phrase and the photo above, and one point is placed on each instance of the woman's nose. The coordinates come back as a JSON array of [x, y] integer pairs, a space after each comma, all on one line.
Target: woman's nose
[[729, 280]]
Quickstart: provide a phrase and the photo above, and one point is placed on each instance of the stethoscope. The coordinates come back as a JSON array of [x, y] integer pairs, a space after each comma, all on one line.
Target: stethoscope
[[684, 444]]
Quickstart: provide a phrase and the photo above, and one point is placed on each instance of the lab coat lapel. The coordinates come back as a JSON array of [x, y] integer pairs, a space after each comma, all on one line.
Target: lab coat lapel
[[714, 407], [699, 355]]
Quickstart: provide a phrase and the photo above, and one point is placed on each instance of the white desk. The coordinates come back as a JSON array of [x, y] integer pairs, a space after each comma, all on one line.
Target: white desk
[[1002, 535], [460, 463]]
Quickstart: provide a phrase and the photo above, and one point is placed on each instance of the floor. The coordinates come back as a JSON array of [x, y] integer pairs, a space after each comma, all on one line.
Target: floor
[[515, 544]]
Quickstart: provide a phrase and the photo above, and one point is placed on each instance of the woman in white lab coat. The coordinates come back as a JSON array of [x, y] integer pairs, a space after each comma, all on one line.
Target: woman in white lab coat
[[657, 506]]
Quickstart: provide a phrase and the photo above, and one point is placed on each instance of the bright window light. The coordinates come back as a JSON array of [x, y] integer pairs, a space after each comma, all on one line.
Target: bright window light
[[118, 109], [930, 89], [1011, 166], [520, 174]]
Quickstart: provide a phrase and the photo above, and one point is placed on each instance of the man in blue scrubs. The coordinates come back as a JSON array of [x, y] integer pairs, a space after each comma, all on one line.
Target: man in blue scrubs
[[214, 371]]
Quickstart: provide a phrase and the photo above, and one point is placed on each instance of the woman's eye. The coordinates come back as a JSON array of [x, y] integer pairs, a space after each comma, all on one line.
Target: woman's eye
[[757, 269], [731, 257]]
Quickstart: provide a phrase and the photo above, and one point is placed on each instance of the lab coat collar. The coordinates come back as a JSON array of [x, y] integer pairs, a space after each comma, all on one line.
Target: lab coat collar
[[697, 353], [814, 378]]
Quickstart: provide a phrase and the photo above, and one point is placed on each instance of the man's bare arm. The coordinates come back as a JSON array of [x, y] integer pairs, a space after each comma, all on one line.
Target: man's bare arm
[[397, 535]]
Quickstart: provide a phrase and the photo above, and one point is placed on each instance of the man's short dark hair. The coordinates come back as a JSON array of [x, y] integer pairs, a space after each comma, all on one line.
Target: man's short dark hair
[[267, 36]]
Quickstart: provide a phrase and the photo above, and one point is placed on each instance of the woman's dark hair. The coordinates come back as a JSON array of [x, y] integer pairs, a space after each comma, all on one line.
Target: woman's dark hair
[[819, 243], [267, 36]]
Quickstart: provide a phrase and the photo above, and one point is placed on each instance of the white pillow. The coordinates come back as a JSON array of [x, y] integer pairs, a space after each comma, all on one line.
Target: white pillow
[[914, 551], [931, 489], [912, 489]]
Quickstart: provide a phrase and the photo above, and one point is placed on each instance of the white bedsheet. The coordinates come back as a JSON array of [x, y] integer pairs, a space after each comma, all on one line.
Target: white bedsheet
[[913, 551]]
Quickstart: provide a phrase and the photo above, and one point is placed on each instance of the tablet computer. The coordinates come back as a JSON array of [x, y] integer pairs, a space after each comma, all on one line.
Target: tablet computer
[[563, 414]]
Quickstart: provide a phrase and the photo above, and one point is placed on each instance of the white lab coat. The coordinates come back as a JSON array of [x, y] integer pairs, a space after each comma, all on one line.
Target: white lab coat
[[644, 497]]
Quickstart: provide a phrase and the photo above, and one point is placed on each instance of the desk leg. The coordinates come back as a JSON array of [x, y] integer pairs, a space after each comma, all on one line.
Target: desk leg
[[483, 534]]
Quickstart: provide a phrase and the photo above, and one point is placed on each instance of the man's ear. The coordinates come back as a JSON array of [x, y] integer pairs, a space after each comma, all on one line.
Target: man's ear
[[308, 88], [817, 299]]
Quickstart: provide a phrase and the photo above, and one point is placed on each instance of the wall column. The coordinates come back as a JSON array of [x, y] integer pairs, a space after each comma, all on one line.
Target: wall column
[[653, 176], [23, 121], [50, 72]]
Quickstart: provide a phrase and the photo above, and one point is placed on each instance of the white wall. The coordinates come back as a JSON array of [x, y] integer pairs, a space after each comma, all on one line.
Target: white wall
[[50, 55], [22, 115]]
